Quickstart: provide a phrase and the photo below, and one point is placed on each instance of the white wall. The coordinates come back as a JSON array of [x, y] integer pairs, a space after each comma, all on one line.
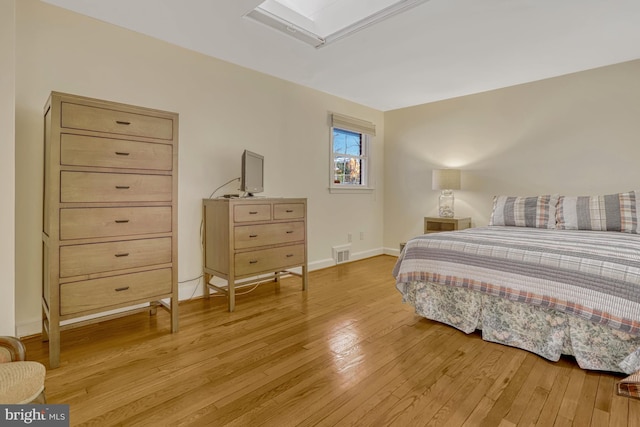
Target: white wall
[[223, 109], [7, 166], [577, 134]]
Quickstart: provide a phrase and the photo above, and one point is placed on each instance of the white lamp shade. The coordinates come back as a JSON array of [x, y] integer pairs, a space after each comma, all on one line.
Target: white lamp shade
[[445, 179]]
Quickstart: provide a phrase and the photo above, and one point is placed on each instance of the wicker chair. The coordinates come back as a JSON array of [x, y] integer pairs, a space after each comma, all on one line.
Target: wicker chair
[[21, 381]]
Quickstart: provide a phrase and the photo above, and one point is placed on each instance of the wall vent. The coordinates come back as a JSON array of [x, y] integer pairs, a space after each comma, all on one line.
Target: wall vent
[[341, 253]]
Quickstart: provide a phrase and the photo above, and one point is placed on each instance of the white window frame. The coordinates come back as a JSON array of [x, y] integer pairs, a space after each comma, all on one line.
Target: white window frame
[[366, 162]]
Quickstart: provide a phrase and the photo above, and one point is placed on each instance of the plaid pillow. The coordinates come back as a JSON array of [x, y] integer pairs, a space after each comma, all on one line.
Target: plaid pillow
[[537, 212], [613, 212]]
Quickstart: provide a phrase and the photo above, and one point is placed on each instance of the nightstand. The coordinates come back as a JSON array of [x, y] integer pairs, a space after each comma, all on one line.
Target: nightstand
[[438, 224]]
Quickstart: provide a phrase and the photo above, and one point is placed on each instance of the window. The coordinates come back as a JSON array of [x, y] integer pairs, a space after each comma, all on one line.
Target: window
[[349, 157], [351, 154]]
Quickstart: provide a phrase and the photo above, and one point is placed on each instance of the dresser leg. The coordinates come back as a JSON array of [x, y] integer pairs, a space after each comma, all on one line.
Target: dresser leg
[[54, 345], [45, 326], [174, 314], [305, 278], [153, 308], [205, 288], [231, 294]]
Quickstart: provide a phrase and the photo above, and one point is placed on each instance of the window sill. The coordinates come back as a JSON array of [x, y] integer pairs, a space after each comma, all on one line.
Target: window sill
[[351, 190]]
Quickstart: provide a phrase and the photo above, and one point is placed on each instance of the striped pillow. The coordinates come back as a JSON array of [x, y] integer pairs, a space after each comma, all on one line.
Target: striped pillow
[[537, 212], [613, 212]]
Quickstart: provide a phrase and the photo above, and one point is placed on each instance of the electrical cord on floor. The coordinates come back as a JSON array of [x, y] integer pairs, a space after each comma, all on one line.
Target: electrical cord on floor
[[202, 239], [262, 282], [217, 294], [195, 287]]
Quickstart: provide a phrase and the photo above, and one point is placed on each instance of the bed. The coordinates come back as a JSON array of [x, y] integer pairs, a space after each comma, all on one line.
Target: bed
[[553, 289]]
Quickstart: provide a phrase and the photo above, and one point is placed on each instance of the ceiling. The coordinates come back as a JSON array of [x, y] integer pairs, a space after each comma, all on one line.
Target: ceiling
[[437, 50]]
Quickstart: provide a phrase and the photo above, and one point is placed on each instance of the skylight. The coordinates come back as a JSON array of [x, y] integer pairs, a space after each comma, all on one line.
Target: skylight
[[319, 22]]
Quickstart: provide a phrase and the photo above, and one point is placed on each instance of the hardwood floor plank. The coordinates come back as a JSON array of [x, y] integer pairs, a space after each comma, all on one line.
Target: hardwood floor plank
[[550, 409], [586, 400], [619, 411], [504, 369], [462, 403], [634, 412], [602, 405], [346, 352], [569, 404], [532, 396], [505, 400], [462, 407], [515, 359]]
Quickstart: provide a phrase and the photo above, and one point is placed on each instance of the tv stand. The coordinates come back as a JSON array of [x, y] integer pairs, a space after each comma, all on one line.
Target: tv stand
[[250, 236]]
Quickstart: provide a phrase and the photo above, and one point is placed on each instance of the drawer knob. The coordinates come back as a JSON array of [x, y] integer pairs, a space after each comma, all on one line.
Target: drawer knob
[[289, 231], [122, 254], [289, 210], [289, 255], [124, 288], [253, 235], [122, 187], [122, 221], [122, 122], [253, 212], [253, 261], [121, 153]]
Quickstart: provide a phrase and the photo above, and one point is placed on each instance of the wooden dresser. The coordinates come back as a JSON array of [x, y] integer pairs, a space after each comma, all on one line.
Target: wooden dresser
[[247, 237], [109, 230]]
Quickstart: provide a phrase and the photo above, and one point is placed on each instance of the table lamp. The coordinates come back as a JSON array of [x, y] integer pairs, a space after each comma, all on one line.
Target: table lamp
[[445, 180]]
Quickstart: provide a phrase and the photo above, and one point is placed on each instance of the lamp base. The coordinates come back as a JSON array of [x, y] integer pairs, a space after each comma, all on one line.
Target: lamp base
[[445, 204]]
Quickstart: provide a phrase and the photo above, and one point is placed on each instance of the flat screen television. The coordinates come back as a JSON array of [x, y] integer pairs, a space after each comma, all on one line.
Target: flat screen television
[[252, 178]]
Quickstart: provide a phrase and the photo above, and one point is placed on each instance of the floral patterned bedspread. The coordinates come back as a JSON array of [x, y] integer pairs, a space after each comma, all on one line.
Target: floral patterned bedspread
[[516, 293], [540, 330]]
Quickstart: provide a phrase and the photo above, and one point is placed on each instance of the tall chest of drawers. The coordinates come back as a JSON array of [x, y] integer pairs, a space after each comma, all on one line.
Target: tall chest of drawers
[[109, 232], [248, 237]]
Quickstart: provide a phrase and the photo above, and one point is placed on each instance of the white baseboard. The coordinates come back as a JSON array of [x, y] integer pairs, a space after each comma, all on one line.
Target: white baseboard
[[355, 256], [28, 328], [367, 254], [324, 263], [392, 251]]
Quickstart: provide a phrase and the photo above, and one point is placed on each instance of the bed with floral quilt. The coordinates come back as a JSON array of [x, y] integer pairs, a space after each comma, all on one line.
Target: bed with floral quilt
[[538, 278]]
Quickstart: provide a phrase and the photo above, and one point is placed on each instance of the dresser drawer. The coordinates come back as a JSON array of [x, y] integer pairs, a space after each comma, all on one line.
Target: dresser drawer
[[77, 116], [81, 150], [98, 294], [251, 212], [78, 260], [97, 187], [254, 262], [251, 236], [86, 223], [288, 210]]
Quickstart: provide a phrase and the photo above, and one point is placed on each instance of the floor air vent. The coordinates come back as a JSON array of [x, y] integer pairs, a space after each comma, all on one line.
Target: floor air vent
[[341, 253]]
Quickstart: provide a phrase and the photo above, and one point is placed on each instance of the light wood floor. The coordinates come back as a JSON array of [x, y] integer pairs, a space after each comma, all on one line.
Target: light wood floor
[[345, 353]]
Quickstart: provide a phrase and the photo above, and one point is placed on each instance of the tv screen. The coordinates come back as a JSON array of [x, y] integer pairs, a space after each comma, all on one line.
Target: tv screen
[[252, 178]]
